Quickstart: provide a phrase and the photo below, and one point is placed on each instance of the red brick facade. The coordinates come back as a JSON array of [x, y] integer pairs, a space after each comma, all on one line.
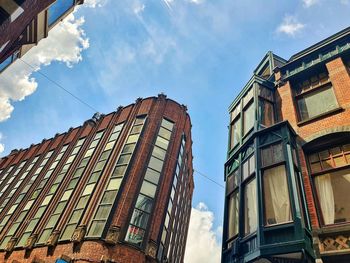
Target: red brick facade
[[111, 247]]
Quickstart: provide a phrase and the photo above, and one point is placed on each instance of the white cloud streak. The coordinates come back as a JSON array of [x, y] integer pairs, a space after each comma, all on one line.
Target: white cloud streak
[[309, 3], [2, 146], [202, 241], [290, 26], [65, 43]]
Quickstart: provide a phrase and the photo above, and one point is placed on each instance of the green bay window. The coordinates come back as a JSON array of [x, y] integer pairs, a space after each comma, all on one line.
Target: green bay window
[[250, 208], [233, 208]]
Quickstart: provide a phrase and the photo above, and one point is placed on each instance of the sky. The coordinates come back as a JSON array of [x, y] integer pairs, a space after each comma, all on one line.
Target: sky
[[198, 52]]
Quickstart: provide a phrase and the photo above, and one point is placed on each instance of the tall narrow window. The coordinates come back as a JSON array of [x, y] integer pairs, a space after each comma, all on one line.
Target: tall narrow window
[[250, 208], [139, 219], [248, 118], [104, 208], [276, 196], [235, 132], [233, 219]]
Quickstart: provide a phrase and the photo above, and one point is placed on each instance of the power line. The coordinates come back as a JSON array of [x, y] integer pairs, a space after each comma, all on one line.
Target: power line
[[60, 86], [95, 110]]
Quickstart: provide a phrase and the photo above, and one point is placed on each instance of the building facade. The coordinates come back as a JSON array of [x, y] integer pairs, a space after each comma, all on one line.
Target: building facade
[[287, 171], [23, 23], [116, 189]]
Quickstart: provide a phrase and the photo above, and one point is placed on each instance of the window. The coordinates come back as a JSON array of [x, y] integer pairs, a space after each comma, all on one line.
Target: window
[[330, 158], [332, 192], [233, 219], [272, 154], [58, 9], [315, 96], [250, 208], [248, 118], [235, 132], [276, 196]]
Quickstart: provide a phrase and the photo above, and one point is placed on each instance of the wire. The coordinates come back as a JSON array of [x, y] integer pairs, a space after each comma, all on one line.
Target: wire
[[60, 86], [95, 110]]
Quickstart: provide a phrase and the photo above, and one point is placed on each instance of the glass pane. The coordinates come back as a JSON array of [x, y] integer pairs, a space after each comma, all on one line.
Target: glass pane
[[45, 236], [88, 189], [128, 148], [162, 143], [72, 183], [159, 153], [235, 132], [250, 208], [109, 146], [148, 189], [57, 9], [233, 208], [102, 212], [119, 171], [132, 138], [75, 218], [105, 155], [155, 164], [276, 196], [167, 124], [248, 119], [136, 129], [114, 184], [108, 197], [152, 176], [68, 232], [82, 202], [144, 203], [139, 218], [164, 133], [53, 220], [124, 159], [60, 207], [96, 228], [134, 235], [266, 114]]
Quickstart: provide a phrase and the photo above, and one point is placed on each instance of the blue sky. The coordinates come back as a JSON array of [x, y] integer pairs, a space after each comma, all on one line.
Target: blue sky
[[198, 52]]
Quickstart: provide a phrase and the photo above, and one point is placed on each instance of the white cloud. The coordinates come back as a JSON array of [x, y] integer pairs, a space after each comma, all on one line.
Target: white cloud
[[202, 242], [290, 26], [94, 3], [197, 2], [65, 43], [308, 3], [2, 146], [138, 8]]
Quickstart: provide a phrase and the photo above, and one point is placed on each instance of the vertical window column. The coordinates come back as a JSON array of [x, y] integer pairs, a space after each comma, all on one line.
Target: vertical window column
[[73, 182], [166, 230], [103, 210], [50, 194], [25, 190], [139, 219], [25, 210], [90, 185], [4, 177]]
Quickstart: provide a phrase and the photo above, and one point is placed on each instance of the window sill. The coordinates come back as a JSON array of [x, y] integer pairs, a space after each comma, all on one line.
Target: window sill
[[278, 226], [334, 228], [323, 115]]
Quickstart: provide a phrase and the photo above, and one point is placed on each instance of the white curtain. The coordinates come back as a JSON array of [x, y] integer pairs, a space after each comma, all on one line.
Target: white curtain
[[277, 184], [326, 197], [251, 221]]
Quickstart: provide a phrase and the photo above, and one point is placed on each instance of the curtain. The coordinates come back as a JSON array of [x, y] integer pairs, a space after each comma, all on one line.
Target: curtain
[[326, 197], [251, 219], [276, 181]]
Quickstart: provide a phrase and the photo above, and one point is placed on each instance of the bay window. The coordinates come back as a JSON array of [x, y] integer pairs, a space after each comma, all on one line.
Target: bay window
[[250, 208], [233, 219]]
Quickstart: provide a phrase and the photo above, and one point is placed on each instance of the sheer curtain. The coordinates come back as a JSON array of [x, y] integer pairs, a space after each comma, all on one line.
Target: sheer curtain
[[326, 197], [276, 180], [251, 220]]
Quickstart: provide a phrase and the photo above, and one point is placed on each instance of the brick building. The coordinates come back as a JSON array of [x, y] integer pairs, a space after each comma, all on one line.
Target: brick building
[[287, 171], [116, 189], [23, 23]]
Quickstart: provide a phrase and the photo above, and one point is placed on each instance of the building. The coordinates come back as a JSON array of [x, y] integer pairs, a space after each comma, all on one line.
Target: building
[[287, 171], [23, 23], [116, 189]]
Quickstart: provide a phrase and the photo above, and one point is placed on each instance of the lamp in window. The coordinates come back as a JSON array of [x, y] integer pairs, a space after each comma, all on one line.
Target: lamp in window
[[95, 118]]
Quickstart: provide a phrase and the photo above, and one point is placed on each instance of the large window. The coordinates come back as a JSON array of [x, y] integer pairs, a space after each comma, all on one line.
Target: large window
[[248, 118], [332, 183], [315, 96], [332, 191], [276, 196], [235, 132]]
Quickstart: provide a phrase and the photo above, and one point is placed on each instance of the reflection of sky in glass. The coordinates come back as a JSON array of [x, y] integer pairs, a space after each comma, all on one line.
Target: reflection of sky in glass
[[5, 63], [57, 9]]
